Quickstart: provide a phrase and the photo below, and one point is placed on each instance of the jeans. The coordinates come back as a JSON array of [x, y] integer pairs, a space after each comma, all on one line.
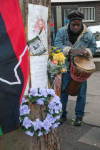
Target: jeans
[[81, 97]]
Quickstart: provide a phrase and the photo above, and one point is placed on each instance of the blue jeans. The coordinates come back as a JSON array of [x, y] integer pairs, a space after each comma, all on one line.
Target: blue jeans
[[81, 97]]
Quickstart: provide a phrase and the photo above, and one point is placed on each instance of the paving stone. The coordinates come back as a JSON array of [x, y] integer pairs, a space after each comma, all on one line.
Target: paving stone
[[92, 137]]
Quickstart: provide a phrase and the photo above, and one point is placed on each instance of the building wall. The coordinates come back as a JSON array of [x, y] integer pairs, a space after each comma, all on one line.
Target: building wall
[[55, 1], [97, 11], [81, 4]]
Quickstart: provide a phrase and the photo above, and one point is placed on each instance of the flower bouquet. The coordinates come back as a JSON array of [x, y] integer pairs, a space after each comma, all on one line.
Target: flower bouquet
[[56, 66]]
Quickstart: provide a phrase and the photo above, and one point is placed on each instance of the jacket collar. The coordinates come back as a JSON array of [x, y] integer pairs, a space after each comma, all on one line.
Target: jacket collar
[[83, 32]]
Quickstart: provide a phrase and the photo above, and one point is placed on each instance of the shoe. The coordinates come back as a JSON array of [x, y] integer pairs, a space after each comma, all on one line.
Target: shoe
[[78, 121]]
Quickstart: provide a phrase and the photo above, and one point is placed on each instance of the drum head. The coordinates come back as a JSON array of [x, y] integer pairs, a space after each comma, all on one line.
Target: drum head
[[84, 63]]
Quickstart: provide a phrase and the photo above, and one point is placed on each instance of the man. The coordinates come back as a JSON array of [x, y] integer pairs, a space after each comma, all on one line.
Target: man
[[71, 37]]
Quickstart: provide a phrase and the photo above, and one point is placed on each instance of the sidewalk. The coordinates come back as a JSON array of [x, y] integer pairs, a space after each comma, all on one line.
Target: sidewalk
[[86, 137], [79, 138], [92, 115], [92, 110]]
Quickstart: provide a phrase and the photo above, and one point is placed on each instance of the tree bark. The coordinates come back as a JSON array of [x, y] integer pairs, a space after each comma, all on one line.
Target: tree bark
[[24, 7], [18, 140]]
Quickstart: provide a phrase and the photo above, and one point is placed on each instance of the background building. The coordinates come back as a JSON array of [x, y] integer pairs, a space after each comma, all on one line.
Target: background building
[[61, 8]]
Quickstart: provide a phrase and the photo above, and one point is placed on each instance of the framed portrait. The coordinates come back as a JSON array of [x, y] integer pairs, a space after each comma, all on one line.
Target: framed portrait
[[36, 46]]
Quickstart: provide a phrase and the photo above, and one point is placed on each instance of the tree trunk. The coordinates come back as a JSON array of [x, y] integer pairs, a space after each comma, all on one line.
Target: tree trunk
[[24, 7], [18, 140]]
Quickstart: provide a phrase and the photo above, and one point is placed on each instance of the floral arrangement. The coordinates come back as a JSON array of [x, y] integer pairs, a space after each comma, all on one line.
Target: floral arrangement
[[56, 64], [55, 49], [58, 58], [53, 110]]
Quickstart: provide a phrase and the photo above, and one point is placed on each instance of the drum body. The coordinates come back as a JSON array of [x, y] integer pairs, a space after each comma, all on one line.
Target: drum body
[[73, 87], [80, 70]]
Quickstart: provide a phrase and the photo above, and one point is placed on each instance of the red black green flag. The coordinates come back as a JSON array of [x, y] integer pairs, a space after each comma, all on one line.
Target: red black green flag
[[14, 64]]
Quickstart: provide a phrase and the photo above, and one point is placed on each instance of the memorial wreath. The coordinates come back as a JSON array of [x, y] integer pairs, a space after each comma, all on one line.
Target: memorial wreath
[[53, 108]]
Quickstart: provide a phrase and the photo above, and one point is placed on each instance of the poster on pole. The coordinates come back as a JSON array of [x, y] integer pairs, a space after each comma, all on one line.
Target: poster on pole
[[37, 29], [38, 67]]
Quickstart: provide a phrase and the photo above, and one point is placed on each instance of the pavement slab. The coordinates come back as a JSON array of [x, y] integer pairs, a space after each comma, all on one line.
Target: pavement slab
[[92, 110], [92, 137], [71, 137], [94, 84]]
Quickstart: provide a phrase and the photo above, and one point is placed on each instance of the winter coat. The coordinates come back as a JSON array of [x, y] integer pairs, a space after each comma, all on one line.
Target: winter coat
[[85, 40]]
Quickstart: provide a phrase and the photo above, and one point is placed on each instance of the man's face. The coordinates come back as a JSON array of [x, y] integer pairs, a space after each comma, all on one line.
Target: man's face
[[40, 23], [76, 26]]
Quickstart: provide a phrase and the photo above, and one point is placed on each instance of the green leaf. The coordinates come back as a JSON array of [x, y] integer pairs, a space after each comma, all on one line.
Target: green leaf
[[1, 132]]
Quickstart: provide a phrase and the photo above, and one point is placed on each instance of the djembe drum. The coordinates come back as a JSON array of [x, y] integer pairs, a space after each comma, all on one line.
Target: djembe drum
[[81, 68]]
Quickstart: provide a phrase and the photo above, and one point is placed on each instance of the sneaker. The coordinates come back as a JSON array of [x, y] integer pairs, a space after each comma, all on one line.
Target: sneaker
[[77, 121]]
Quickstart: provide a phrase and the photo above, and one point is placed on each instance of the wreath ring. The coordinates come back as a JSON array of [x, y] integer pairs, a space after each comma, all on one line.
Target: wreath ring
[[53, 111]]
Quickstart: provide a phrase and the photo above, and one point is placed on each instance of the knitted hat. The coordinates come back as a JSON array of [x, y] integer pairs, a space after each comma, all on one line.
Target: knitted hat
[[75, 15]]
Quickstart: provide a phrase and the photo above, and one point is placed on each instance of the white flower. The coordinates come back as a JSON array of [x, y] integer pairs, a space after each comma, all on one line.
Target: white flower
[[50, 118], [33, 92], [40, 101], [57, 117], [27, 123], [24, 109], [51, 92], [29, 133], [43, 92], [37, 124], [55, 125], [46, 125], [40, 133], [24, 100]]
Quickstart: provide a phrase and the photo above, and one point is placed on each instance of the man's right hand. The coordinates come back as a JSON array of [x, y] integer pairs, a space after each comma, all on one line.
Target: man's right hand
[[81, 52], [66, 50]]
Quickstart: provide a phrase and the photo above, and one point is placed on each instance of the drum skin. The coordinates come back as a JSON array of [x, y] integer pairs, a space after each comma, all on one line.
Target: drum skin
[[81, 69]]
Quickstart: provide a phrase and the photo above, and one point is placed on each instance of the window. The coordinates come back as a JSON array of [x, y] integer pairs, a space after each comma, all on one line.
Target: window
[[89, 13]]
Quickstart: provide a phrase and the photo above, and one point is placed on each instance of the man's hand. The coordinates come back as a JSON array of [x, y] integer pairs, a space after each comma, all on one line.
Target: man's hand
[[66, 50], [85, 53], [82, 52]]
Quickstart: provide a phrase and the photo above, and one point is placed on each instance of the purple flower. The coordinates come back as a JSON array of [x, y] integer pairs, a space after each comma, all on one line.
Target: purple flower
[[37, 124], [55, 105], [50, 118], [55, 125], [46, 125], [24, 109], [29, 133], [27, 123], [40, 133], [51, 92], [43, 92], [24, 100], [57, 117], [57, 99], [33, 92], [40, 101]]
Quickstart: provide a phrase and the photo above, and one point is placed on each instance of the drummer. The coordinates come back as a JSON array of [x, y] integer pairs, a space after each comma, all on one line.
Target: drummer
[[75, 35]]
